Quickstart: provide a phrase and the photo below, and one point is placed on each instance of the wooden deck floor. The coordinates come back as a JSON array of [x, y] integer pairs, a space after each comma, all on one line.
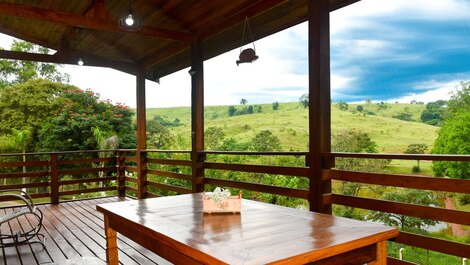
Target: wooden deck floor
[[74, 231]]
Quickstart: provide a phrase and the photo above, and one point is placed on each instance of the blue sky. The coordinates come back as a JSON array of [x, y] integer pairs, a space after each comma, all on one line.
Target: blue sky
[[403, 49], [383, 50]]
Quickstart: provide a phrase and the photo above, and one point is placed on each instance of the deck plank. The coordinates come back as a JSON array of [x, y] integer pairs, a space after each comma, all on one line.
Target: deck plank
[[73, 230]]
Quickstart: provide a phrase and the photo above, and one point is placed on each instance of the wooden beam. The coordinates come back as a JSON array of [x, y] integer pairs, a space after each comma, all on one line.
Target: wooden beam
[[342, 3], [75, 20], [27, 37], [319, 101], [68, 59], [197, 115]]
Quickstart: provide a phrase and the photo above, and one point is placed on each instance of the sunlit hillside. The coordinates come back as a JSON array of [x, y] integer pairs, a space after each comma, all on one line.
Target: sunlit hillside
[[290, 124]]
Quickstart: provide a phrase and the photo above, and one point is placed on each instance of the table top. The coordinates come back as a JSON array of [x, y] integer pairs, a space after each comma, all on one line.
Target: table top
[[260, 234]]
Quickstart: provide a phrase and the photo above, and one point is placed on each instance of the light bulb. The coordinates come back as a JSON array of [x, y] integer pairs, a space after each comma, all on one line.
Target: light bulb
[[129, 20], [80, 61]]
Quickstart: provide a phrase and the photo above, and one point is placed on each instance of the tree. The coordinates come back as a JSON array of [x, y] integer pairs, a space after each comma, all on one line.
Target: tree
[[420, 197], [368, 101], [72, 128], [405, 115], [453, 138], [304, 101], [434, 113], [343, 106], [16, 142], [158, 136], [28, 105], [460, 99], [454, 135], [249, 110], [354, 141], [416, 149], [243, 101], [266, 141], [359, 108], [18, 71], [276, 105], [104, 141], [231, 111], [213, 138]]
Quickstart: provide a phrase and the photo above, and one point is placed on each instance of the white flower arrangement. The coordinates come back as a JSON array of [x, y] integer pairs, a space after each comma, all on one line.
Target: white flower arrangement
[[221, 201], [220, 195]]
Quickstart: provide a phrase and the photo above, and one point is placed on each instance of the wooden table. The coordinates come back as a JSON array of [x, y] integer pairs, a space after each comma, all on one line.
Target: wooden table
[[177, 229]]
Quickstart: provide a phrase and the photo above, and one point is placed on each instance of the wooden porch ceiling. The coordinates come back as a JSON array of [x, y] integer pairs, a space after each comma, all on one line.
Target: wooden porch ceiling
[[161, 46]]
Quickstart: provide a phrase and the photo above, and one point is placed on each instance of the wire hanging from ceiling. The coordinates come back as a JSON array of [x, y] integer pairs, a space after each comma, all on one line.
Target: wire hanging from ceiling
[[247, 55], [80, 60]]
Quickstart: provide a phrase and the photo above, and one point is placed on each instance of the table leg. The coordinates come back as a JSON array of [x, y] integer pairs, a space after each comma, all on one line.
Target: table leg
[[381, 254], [111, 244]]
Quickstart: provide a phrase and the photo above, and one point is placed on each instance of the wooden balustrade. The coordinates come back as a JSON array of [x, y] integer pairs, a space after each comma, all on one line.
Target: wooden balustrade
[[148, 173], [409, 182], [56, 175]]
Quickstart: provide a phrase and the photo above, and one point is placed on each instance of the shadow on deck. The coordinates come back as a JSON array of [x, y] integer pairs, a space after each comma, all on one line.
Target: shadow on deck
[[75, 235]]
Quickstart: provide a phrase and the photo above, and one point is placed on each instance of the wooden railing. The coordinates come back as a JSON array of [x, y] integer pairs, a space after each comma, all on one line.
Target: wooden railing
[[409, 182], [53, 177]]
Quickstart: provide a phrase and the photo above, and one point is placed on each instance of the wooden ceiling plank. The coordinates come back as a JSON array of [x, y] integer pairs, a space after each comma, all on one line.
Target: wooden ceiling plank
[[158, 56], [87, 22], [124, 52], [159, 5], [239, 17]]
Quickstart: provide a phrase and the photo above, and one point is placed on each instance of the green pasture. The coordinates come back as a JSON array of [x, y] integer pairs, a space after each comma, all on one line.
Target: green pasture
[[290, 124]]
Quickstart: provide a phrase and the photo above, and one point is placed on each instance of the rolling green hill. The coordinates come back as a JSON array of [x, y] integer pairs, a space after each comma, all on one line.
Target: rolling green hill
[[290, 124]]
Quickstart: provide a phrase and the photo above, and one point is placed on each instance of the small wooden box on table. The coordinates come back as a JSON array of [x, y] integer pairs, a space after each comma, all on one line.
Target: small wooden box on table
[[177, 229]]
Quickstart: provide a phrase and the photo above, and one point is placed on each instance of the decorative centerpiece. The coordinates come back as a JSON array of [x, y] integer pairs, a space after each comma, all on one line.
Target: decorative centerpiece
[[221, 201]]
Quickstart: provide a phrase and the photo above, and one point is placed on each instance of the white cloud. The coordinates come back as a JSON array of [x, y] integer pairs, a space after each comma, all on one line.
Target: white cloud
[[433, 90]]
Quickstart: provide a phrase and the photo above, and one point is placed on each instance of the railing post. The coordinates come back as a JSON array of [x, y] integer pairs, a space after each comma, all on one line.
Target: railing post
[[54, 175], [121, 173], [142, 171]]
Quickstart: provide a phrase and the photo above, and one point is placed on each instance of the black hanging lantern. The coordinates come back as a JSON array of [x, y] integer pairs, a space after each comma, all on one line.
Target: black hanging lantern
[[247, 55], [130, 22]]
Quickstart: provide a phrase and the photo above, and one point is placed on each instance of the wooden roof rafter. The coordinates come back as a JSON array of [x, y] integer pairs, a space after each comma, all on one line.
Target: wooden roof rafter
[[59, 58]]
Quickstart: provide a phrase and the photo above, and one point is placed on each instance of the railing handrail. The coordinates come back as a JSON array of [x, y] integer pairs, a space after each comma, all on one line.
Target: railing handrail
[[62, 152], [434, 157], [252, 153]]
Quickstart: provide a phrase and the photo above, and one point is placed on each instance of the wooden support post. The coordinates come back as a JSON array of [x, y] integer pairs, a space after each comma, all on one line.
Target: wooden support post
[[319, 101], [121, 173], [54, 174], [197, 116], [141, 155]]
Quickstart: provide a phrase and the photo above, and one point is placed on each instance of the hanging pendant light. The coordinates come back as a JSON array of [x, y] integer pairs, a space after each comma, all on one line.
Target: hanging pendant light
[[247, 55], [129, 21]]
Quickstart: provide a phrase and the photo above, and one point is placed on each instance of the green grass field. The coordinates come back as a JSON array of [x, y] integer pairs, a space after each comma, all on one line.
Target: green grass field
[[290, 124]]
